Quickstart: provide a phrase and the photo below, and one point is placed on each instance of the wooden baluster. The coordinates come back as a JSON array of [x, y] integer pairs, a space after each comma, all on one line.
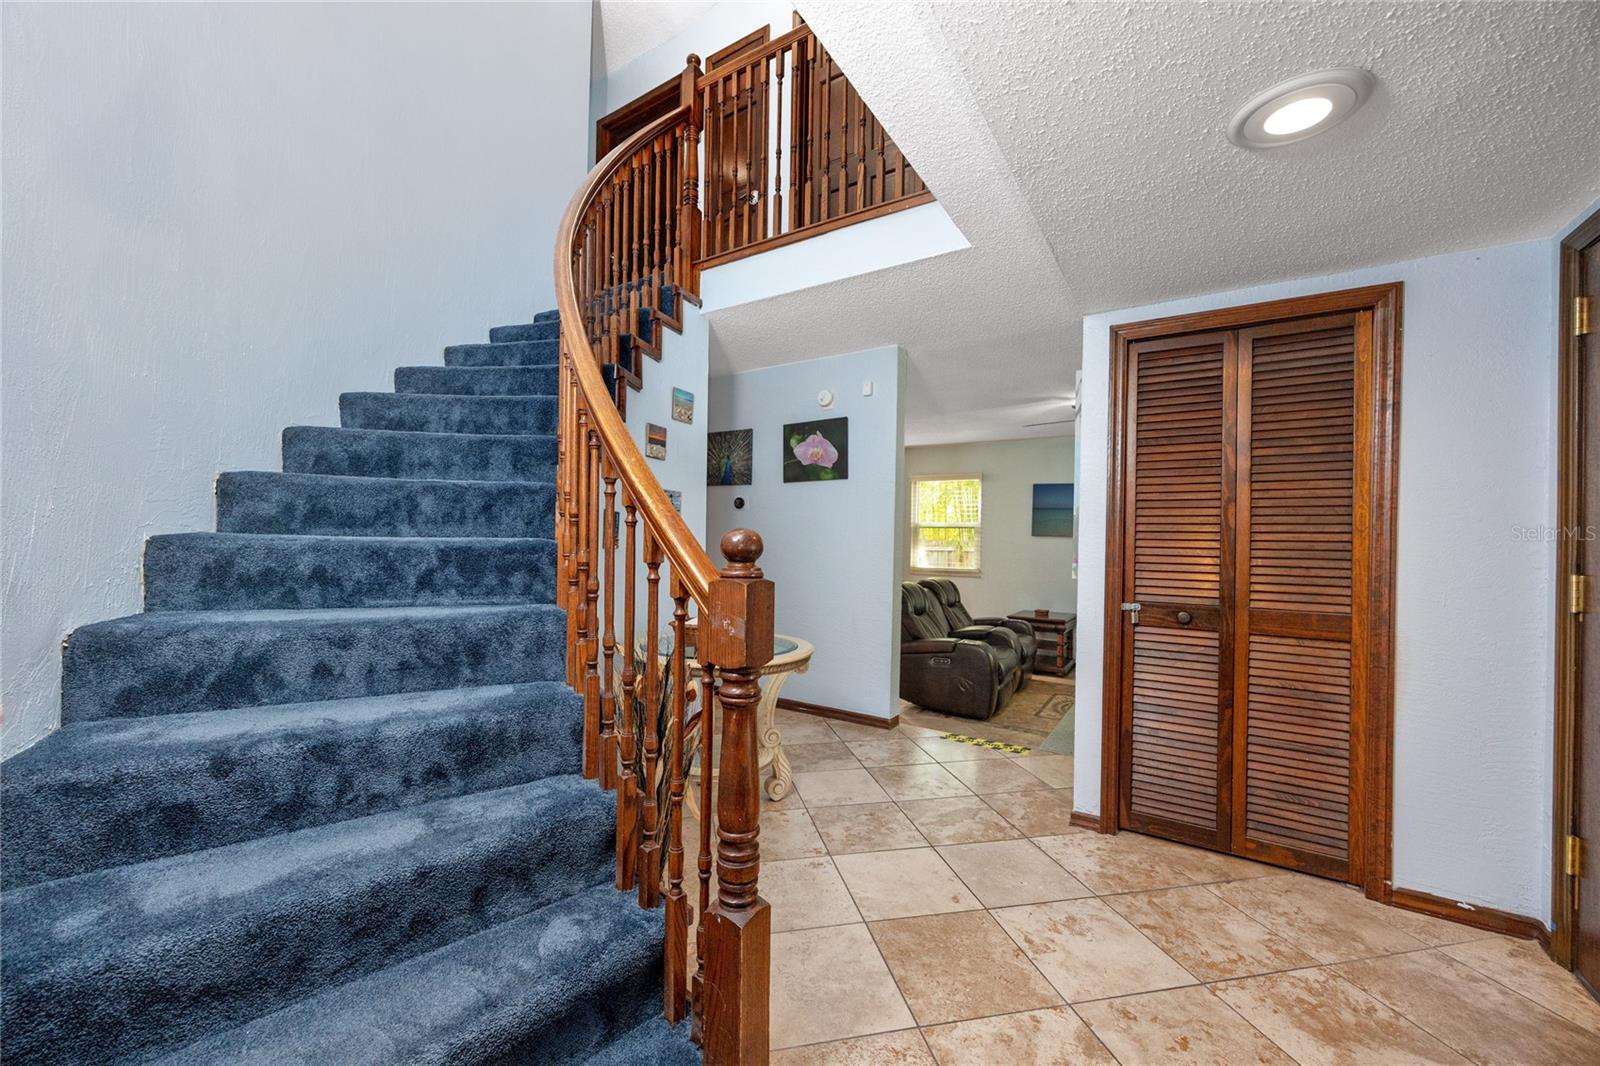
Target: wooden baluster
[[713, 244], [825, 178], [563, 420], [652, 230], [862, 150], [608, 692], [845, 126], [738, 930], [776, 112], [879, 136], [691, 222], [649, 851], [636, 227], [675, 976], [580, 426], [708, 730], [752, 173], [627, 727], [581, 518], [592, 750]]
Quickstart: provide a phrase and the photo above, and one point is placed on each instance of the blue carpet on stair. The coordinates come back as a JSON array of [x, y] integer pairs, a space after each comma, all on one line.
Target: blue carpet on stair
[[320, 802]]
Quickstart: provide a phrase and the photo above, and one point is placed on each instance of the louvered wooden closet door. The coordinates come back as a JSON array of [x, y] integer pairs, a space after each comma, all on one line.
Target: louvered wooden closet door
[[1179, 466], [1298, 478]]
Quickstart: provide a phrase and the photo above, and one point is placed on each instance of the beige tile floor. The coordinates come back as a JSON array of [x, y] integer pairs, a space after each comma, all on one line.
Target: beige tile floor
[[932, 905]]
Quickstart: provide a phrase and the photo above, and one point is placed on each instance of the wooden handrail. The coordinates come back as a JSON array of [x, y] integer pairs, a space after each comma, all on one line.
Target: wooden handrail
[[628, 242]]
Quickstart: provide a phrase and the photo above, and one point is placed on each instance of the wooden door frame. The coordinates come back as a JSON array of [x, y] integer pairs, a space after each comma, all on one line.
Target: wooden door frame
[[1569, 459], [1372, 755]]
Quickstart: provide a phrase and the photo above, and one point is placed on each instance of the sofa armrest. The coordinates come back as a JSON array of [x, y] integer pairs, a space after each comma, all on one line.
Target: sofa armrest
[[929, 647], [1016, 625], [995, 636]]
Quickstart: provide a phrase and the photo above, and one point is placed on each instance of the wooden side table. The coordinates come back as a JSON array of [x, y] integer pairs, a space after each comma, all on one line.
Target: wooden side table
[[1058, 638]]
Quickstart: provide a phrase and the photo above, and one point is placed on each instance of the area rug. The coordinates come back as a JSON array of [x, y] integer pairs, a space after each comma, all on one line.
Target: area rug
[[1028, 719]]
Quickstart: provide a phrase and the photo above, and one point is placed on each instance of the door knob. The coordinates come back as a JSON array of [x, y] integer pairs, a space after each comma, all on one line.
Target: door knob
[[1184, 618]]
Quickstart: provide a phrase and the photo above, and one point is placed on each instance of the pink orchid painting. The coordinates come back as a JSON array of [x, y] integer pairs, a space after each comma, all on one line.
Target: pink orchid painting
[[816, 451]]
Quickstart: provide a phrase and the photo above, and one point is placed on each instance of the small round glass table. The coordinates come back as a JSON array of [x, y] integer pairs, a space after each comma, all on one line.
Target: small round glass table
[[790, 655]]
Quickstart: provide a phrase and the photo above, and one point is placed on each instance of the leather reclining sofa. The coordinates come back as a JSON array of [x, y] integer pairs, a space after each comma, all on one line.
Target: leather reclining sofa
[[954, 663]]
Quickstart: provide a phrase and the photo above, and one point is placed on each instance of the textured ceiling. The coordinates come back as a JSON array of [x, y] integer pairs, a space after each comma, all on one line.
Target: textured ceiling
[[1082, 150], [630, 28]]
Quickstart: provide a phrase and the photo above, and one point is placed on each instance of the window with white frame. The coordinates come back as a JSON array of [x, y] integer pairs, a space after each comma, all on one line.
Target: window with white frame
[[946, 523]]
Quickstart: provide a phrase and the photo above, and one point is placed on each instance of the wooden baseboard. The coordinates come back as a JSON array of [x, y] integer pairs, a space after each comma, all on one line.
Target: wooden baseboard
[[837, 714], [1488, 918], [1085, 820]]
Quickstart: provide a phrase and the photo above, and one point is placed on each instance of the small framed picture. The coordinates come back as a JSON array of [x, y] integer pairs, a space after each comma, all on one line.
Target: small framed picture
[[683, 406], [655, 441]]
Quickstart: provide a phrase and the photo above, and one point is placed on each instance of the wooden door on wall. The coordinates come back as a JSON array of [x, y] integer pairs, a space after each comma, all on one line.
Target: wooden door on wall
[[1244, 556]]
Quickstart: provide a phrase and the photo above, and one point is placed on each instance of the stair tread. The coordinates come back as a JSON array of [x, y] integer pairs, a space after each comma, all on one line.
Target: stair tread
[[144, 788], [491, 997], [177, 620], [270, 502], [657, 1041], [419, 454], [183, 939]]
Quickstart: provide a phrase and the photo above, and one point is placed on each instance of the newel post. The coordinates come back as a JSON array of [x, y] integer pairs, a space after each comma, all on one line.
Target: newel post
[[738, 928], [689, 220]]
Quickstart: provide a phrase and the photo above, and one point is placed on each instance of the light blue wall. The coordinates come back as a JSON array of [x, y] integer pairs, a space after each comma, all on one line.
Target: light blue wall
[[832, 548], [1475, 600], [218, 217]]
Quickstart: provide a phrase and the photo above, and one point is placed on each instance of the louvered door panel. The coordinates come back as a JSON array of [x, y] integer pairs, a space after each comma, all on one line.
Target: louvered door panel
[[1175, 654], [1302, 444], [1296, 487], [1175, 726], [1297, 736]]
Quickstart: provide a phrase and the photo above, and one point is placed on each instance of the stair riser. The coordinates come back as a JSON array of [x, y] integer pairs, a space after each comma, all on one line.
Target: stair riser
[[448, 414], [508, 353], [223, 572], [262, 502], [203, 786], [540, 329], [554, 987], [477, 380], [123, 669], [446, 456], [268, 939]]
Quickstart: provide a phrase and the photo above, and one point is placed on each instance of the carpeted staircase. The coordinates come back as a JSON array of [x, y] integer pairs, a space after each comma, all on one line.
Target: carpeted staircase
[[321, 802]]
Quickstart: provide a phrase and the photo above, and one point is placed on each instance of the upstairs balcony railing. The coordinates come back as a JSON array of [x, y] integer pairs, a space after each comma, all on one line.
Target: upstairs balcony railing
[[792, 151], [629, 252]]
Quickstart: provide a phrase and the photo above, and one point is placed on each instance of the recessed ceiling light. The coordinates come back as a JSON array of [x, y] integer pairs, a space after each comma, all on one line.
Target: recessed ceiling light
[[1301, 107]]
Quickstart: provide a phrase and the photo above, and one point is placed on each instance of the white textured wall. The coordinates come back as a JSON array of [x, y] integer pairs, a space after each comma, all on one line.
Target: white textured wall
[[832, 547], [1474, 600], [1020, 570], [219, 216]]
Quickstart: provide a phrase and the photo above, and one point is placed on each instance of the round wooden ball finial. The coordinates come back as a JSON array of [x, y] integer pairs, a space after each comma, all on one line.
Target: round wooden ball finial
[[741, 547], [693, 60]]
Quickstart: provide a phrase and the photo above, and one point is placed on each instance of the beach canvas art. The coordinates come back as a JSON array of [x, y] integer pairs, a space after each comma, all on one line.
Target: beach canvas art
[[682, 405], [1052, 509], [655, 441], [816, 451], [729, 456]]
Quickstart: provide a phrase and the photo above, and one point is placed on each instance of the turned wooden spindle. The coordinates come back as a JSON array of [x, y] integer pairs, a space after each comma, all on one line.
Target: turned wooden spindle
[[708, 727], [649, 811], [608, 691], [627, 722], [675, 975], [738, 929], [592, 753]]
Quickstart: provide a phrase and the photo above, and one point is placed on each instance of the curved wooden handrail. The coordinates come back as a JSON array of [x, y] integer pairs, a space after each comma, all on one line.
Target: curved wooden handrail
[[631, 231], [689, 559]]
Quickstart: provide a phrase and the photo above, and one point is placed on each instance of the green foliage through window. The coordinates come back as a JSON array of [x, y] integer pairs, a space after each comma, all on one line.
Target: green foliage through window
[[946, 516]]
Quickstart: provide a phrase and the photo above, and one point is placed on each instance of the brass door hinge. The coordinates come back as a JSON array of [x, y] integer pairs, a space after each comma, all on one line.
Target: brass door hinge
[[1582, 324], [1574, 856], [1577, 593]]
